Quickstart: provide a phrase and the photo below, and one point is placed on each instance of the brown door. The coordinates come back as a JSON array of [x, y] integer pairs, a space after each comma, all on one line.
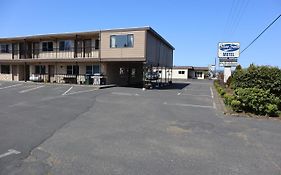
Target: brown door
[[14, 72], [51, 73], [27, 72], [36, 50], [22, 50], [79, 48]]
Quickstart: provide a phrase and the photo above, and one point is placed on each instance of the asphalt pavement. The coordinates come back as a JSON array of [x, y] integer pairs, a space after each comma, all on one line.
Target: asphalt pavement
[[65, 129]]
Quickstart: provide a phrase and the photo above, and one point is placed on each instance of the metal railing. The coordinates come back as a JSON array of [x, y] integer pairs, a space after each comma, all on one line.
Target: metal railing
[[78, 52]]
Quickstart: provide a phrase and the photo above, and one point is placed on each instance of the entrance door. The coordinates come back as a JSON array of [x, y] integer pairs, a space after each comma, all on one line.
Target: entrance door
[[14, 72], [51, 73], [79, 48], [27, 71], [22, 50]]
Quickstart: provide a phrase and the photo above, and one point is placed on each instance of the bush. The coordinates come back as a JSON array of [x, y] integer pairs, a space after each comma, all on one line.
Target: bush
[[271, 109], [228, 98], [256, 100], [236, 105], [261, 77]]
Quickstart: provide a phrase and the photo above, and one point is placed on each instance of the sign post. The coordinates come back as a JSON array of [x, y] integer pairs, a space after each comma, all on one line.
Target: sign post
[[228, 53]]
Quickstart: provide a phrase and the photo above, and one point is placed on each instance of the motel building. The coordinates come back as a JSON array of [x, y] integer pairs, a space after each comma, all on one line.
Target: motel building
[[189, 72], [115, 56]]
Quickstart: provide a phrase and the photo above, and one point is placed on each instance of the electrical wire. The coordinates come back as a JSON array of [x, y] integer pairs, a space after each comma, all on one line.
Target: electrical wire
[[261, 33]]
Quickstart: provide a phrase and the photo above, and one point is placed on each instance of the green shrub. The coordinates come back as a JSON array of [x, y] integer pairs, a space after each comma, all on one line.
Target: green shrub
[[228, 98], [236, 105], [271, 109], [257, 100], [261, 77]]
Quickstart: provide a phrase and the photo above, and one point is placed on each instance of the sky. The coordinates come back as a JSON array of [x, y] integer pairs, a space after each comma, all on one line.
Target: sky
[[193, 27]]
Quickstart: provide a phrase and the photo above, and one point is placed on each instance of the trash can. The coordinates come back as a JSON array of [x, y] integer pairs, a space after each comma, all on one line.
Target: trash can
[[88, 79]]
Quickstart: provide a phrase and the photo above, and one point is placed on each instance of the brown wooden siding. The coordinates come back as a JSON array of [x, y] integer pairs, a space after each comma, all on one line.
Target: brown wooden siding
[[137, 51]]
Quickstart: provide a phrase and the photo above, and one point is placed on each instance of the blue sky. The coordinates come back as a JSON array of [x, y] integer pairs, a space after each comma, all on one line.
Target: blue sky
[[194, 27]]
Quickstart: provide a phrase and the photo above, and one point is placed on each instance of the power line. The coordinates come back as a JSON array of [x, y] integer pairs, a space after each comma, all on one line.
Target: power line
[[261, 33]]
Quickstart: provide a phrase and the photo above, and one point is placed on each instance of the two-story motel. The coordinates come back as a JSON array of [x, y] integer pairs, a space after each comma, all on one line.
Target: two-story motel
[[122, 56]]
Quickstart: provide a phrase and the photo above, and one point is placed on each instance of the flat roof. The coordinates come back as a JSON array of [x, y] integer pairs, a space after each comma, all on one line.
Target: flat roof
[[191, 67], [85, 33]]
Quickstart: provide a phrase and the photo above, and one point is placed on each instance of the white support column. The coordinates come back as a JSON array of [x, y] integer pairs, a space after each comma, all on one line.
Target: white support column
[[226, 73]]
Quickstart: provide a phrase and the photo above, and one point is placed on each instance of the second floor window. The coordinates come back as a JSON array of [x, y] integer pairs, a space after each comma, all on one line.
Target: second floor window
[[4, 48], [47, 46], [65, 45], [121, 41]]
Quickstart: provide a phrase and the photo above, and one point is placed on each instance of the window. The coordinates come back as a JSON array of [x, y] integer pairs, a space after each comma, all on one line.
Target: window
[[40, 69], [121, 41], [5, 69], [4, 48], [181, 72], [72, 70], [65, 45], [198, 74], [47, 46], [92, 69]]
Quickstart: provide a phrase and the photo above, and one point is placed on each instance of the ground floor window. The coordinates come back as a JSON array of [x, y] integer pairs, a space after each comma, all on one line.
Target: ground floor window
[[40, 69], [92, 69], [5, 69], [72, 69], [181, 72], [198, 74]]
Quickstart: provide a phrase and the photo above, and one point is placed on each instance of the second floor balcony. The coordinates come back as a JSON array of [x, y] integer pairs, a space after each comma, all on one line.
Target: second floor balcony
[[66, 49]]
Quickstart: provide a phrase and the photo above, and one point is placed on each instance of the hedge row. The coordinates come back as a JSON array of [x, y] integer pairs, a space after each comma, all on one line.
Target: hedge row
[[254, 100], [261, 77]]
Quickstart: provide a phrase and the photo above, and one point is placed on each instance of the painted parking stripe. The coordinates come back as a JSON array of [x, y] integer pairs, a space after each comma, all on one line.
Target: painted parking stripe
[[10, 152], [188, 105], [31, 89], [197, 95], [67, 90], [212, 94], [79, 92], [124, 94], [10, 86]]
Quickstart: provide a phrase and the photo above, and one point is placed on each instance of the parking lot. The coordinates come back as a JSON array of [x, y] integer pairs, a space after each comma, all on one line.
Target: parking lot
[[68, 129]]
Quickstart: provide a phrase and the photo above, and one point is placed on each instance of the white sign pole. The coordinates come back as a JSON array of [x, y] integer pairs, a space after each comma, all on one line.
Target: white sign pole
[[226, 73]]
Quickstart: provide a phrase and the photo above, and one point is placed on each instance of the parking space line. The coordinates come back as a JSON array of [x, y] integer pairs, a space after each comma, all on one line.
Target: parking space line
[[124, 94], [10, 152], [67, 90], [187, 105], [79, 92], [197, 95], [10, 86], [212, 94], [31, 89], [195, 90]]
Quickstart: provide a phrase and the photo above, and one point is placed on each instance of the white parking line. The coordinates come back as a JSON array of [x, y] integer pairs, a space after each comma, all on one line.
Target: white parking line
[[196, 90], [31, 89], [123, 93], [212, 94], [10, 152], [187, 105], [79, 92], [67, 90], [197, 95], [10, 86]]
